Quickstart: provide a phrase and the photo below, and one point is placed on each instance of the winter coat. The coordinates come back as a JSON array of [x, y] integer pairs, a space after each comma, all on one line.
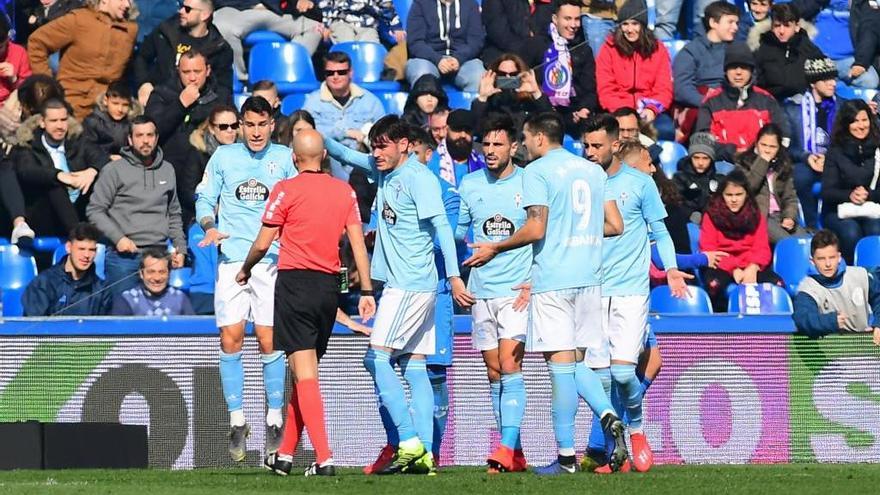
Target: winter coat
[[603, 9], [360, 13], [17, 56], [866, 38], [279, 7], [361, 111], [756, 169], [781, 65], [157, 57], [425, 85], [138, 301], [793, 112], [55, 290], [696, 189], [583, 69], [760, 28], [202, 146], [818, 322], [753, 248], [460, 35], [38, 15], [95, 52], [510, 103], [848, 166], [627, 81], [510, 23], [700, 63], [107, 134]]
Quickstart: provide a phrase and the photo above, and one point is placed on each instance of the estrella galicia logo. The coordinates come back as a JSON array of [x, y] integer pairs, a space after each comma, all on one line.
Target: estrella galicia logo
[[498, 226], [388, 215], [252, 190]]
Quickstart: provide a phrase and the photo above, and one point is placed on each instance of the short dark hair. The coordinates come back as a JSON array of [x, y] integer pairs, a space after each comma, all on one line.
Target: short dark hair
[[118, 89], [716, 10], [193, 53], [141, 120], [784, 13], [562, 3], [626, 112], [84, 231], [156, 253], [547, 123], [627, 148], [823, 239], [55, 104], [264, 85], [421, 135], [390, 127], [499, 122], [602, 122], [337, 57], [258, 105]]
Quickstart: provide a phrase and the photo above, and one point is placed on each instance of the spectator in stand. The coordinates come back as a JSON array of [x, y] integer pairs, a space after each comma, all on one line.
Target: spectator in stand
[[677, 215], [866, 36], [14, 64], [754, 22], [343, 110], [444, 38], [437, 124], [107, 126], [425, 98], [733, 224], [632, 127], [71, 287], [567, 73], [221, 127], [517, 102], [293, 125], [56, 168], [510, 23], [837, 298], [850, 178], [633, 69], [181, 104], [599, 19], [192, 28], [455, 156], [697, 179], [153, 296], [668, 13], [736, 111], [811, 115], [298, 20], [347, 20], [769, 170], [135, 206], [782, 53], [41, 12], [96, 44], [699, 66], [269, 91]]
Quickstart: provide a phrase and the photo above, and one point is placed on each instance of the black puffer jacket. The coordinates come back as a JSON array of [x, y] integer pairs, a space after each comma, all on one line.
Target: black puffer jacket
[[510, 23], [848, 166], [696, 189], [425, 85], [781, 65]]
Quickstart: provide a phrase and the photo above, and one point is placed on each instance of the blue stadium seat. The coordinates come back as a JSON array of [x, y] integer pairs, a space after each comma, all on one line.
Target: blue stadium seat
[[180, 278], [61, 252], [47, 244], [393, 102], [459, 99], [780, 300], [694, 237], [697, 303], [255, 37], [4, 241], [239, 98], [292, 103], [16, 272], [669, 157], [573, 145], [367, 62], [237, 85], [853, 93], [289, 65], [791, 261], [674, 46], [402, 7], [204, 258], [868, 251]]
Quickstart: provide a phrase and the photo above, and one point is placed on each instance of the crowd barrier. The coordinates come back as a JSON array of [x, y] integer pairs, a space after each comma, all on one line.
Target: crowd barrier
[[734, 389]]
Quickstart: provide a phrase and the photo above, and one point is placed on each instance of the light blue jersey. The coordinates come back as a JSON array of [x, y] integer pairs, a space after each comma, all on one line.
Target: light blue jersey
[[626, 258], [241, 181], [494, 209], [570, 254]]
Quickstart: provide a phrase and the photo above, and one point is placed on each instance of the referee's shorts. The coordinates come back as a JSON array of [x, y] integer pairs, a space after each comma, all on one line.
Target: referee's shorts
[[305, 310]]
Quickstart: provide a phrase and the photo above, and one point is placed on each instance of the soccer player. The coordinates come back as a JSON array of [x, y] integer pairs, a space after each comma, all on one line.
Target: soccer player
[[308, 212], [567, 216], [491, 205], [625, 266], [238, 179]]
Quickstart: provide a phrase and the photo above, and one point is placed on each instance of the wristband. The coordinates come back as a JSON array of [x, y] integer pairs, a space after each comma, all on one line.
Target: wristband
[[366, 292]]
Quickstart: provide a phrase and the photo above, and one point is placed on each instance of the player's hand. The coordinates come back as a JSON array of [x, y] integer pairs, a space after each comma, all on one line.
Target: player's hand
[[126, 245], [483, 253], [460, 293], [243, 276], [876, 335], [213, 236], [714, 257], [522, 299], [360, 328], [366, 309], [177, 259], [842, 321], [675, 278], [189, 95]]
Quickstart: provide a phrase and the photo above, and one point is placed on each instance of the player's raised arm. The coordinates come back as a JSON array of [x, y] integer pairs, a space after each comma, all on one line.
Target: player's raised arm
[[348, 156], [532, 231]]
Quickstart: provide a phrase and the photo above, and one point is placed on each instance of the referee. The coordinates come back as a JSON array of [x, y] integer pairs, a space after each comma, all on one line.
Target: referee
[[309, 212]]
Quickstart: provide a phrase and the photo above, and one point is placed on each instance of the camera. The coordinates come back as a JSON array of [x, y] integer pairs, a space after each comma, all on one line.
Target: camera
[[507, 82]]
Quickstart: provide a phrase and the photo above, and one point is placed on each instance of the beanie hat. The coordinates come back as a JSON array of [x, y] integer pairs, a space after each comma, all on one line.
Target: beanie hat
[[738, 53], [702, 142], [633, 9], [820, 69], [460, 120]]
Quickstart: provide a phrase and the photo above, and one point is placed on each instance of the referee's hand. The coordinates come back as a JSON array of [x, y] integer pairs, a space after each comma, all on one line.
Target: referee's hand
[[243, 276]]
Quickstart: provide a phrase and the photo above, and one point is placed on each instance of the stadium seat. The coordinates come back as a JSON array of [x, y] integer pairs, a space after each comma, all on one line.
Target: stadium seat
[[780, 301], [459, 99], [573, 145], [47, 244], [180, 278], [204, 258], [697, 303], [868, 251], [289, 65], [669, 157], [673, 47], [237, 85], [402, 7], [4, 241], [694, 237], [61, 252], [16, 272], [393, 102], [367, 62], [853, 93], [791, 261], [292, 103], [256, 37], [239, 98]]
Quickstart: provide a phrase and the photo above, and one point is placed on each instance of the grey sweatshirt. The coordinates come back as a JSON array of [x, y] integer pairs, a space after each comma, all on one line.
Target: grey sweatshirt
[[137, 201]]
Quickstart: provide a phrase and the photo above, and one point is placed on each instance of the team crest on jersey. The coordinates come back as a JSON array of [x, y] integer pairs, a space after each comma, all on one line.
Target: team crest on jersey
[[389, 215], [517, 199], [272, 166], [252, 190], [498, 226], [623, 197]]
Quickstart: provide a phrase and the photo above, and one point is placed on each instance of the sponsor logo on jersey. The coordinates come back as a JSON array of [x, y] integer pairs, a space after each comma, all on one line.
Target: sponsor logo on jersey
[[389, 215], [498, 226], [252, 190]]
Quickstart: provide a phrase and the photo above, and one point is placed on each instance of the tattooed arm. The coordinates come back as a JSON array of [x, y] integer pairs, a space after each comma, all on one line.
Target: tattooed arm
[[532, 231]]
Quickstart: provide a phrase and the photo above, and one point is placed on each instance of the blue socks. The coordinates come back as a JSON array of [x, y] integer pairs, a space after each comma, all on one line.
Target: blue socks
[[274, 373], [388, 424], [591, 388], [646, 383], [437, 376], [232, 378], [495, 394], [391, 393], [513, 407], [415, 373], [629, 390], [564, 406]]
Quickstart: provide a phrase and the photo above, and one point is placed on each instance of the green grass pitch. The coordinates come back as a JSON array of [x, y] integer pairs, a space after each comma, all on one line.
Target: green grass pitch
[[799, 479]]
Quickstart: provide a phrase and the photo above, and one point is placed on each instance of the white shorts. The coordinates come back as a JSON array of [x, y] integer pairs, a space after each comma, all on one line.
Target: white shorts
[[496, 319], [405, 322], [557, 319], [625, 324], [254, 302]]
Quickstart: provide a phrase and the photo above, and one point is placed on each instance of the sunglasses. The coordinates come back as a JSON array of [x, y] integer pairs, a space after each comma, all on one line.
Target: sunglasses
[[340, 72], [234, 126], [186, 8], [507, 74]]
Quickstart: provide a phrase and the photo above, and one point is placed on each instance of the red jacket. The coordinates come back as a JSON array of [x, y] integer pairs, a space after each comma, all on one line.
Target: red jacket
[[624, 81], [17, 56], [753, 248]]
